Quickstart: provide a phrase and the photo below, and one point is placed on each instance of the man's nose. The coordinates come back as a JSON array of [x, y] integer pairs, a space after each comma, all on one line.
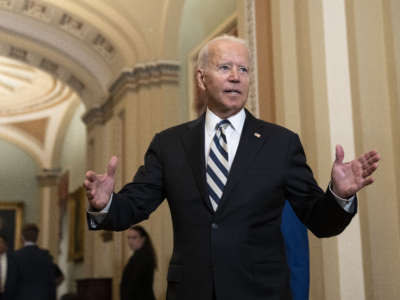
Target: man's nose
[[234, 75]]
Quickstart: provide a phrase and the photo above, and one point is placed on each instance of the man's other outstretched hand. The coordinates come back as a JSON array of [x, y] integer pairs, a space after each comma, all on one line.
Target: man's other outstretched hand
[[100, 186], [350, 177]]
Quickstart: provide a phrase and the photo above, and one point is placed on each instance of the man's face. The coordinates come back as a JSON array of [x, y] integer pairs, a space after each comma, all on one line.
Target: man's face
[[225, 78], [3, 246], [135, 240]]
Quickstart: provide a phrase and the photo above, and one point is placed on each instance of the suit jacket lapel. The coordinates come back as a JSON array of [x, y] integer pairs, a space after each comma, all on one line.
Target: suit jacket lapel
[[251, 140], [193, 143]]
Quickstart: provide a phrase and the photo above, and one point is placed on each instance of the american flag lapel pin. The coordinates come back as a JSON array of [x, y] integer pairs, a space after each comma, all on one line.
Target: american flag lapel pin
[[257, 135]]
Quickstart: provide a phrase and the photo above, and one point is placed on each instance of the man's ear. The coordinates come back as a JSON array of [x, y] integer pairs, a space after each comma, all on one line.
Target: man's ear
[[200, 77]]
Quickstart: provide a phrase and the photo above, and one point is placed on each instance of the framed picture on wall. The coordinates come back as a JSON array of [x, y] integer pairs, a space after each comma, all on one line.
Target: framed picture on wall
[[11, 214], [77, 222]]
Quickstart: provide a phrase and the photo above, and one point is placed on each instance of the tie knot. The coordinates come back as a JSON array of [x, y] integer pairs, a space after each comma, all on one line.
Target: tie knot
[[222, 125]]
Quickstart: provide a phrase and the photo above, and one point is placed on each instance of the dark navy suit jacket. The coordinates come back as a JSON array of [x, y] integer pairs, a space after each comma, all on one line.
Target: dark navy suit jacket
[[36, 276], [236, 252]]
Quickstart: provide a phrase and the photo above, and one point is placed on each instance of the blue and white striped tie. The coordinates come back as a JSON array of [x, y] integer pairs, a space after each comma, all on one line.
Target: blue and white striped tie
[[218, 164]]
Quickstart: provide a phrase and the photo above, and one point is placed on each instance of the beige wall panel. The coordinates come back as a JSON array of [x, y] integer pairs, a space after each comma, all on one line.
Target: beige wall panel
[[172, 106], [170, 23], [98, 156], [392, 40], [316, 135], [88, 258], [295, 105], [372, 103], [128, 163], [49, 224], [341, 132], [147, 109], [286, 79], [103, 148], [266, 91]]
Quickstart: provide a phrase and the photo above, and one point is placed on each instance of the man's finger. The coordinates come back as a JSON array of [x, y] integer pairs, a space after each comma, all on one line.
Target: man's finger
[[86, 184], [368, 181], [90, 176], [89, 196], [374, 158], [112, 166], [371, 169]]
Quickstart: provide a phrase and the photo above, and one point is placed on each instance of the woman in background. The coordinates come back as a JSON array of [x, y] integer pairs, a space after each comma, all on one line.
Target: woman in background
[[138, 275]]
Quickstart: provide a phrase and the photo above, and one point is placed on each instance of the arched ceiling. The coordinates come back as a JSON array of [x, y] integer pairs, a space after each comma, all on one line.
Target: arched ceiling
[[86, 43], [54, 53]]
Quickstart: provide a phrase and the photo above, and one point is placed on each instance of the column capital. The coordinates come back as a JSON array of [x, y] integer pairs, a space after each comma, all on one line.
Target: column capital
[[49, 177]]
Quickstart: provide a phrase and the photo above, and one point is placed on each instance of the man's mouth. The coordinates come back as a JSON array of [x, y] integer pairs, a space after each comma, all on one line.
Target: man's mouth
[[232, 92]]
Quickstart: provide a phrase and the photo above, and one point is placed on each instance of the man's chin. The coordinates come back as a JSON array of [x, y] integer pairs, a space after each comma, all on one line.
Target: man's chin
[[231, 109], [234, 104]]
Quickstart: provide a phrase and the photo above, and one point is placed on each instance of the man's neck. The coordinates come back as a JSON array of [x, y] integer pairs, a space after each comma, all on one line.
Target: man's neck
[[226, 115]]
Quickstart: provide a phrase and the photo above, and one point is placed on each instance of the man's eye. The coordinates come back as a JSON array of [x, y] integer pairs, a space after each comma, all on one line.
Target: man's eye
[[224, 67], [244, 69]]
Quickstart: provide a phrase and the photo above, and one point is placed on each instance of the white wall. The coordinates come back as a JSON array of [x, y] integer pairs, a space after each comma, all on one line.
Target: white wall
[[18, 179]]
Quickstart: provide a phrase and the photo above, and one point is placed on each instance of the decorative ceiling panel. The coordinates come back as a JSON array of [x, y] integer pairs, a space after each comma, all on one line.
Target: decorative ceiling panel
[[24, 89], [35, 128]]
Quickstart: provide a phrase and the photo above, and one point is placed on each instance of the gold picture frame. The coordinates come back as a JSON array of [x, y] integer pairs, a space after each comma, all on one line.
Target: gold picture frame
[[11, 214], [77, 221]]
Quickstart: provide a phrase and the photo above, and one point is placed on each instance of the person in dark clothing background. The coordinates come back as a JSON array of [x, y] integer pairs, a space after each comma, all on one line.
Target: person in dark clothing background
[[295, 237], [36, 273], [8, 272], [138, 274]]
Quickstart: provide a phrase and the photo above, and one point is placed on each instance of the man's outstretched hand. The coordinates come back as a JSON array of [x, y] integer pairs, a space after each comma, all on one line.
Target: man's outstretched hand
[[350, 177], [100, 186]]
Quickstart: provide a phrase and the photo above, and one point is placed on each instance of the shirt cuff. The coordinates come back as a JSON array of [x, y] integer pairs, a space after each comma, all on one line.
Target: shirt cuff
[[346, 204], [96, 217]]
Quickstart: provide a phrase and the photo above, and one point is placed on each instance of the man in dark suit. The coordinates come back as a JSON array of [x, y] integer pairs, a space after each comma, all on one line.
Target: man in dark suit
[[8, 271], [36, 272], [226, 176]]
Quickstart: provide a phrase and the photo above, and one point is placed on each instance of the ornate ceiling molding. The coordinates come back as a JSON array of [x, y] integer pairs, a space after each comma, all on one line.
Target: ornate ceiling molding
[[65, 21], [146, 74], [45, 64], [140, 75], [99, 115], [82, 56]]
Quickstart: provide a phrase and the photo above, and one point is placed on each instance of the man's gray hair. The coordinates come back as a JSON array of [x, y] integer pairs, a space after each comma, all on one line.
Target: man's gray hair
[[202, 58]]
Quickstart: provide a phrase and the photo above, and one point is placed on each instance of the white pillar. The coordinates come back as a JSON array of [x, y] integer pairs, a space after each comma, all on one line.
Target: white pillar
[[342, 132]]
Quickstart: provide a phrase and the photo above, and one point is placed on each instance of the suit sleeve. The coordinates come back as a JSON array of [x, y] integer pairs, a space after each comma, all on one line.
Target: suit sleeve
[[139, 198], [319, 211]]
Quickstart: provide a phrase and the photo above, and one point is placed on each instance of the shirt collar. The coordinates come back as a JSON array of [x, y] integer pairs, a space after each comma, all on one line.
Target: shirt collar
[[28, 243], [237, 121]]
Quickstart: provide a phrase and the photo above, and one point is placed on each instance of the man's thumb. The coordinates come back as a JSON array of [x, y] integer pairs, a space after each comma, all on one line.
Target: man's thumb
[[112, 166], [339, 154]]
